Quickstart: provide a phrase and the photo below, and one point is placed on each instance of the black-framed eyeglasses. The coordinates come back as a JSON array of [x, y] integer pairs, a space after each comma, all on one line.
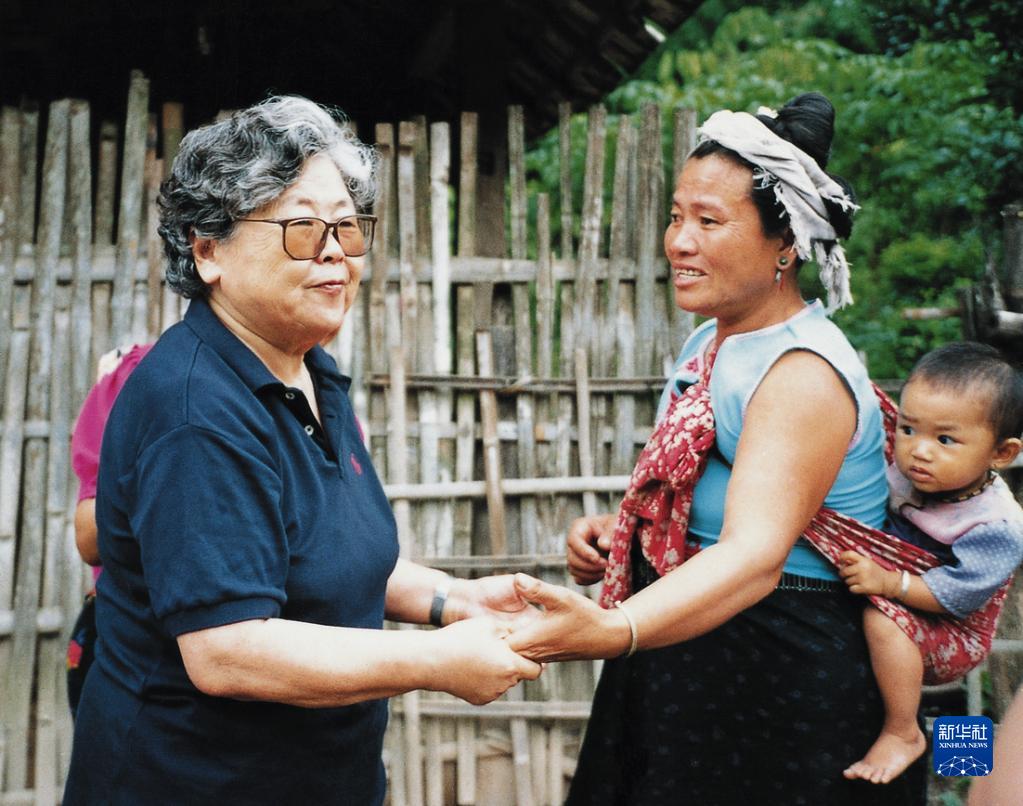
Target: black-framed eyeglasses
[[304, 238]]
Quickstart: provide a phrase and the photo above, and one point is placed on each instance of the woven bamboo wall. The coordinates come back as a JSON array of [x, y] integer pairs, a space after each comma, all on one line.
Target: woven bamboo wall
[[500, 396]]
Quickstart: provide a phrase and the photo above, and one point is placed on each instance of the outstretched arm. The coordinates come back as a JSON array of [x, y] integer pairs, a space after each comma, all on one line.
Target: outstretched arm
[[795, 435]]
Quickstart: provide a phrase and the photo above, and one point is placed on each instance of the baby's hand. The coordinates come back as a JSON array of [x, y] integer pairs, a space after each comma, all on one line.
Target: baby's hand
[[862, 574]]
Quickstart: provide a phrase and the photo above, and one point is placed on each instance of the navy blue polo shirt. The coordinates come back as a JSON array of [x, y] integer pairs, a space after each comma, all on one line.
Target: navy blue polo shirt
[[221, 499]]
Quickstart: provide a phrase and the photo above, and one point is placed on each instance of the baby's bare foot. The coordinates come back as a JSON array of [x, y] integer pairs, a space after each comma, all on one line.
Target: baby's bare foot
[[888, 757]]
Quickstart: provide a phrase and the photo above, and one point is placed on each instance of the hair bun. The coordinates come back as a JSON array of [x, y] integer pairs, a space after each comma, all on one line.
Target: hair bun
[[808, 122]]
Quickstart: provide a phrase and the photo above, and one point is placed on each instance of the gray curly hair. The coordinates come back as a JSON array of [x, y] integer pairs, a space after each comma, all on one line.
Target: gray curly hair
[[226, 170]]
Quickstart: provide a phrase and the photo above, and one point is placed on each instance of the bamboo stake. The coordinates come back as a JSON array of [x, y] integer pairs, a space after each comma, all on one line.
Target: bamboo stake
[[592, 214], [50, 681], [407, 240], [565, 156], [106, 184], [623, 448], [434, 764], [585, 444], [154, 244], [682, 322], [385, 203], [618, 242], [443, 360], [523, 323], [29, 165], [397, 464], [545, 358], [79, 199], [10, 129], [11, 441], [129, 218], [491, 449], [646, 232]]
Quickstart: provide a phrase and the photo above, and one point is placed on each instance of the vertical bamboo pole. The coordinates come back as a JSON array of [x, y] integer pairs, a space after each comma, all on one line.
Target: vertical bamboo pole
[[154, 245], [646, 232], [565, 157], [524, 403], [386, 211], [499, 546], [618, 242], [51, 698], [407, 240], [582, 396], [466, 326], [10, 126], [398, 474], [563, 444], [589, 247], [29, 165], [80, 201], [106, 184], [491, 447], [684, 141], [130, 213], [623, 447], [11, 442], [443, 360], [465, 457], [13, 370], [588, 332], [31, 552], [535, 750], [545, 363]]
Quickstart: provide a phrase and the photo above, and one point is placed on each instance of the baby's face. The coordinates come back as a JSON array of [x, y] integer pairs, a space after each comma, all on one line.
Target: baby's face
[[944, 442]]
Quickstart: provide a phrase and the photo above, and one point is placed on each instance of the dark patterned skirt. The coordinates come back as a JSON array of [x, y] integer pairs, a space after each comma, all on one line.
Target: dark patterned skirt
[[769, 708]]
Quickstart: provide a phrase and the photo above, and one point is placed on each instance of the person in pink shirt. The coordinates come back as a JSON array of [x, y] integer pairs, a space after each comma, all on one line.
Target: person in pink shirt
[[86, 439]]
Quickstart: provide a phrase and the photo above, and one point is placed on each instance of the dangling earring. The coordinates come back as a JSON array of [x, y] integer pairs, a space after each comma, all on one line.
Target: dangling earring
[[782, 261]]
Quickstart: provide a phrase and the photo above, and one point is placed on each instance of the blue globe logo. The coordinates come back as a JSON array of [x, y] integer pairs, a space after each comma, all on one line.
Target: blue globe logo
[[963, 765]]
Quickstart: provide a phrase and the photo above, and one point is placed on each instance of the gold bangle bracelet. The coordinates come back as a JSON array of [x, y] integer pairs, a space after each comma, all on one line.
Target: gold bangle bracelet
[[633, 632]]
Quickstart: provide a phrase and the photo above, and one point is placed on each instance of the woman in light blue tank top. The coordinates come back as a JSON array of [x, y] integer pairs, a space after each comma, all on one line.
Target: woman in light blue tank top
[[752, 681]]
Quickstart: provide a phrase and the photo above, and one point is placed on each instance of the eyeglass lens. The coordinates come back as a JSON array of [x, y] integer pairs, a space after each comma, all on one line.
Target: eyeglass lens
[[304, 238]]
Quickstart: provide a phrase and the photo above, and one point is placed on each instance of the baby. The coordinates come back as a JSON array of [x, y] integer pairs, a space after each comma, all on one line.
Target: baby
[[960, 419]]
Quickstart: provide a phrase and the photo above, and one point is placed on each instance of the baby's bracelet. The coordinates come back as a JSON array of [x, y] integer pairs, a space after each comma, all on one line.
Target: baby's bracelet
[[904, 589], [440, 598], [633, 632]]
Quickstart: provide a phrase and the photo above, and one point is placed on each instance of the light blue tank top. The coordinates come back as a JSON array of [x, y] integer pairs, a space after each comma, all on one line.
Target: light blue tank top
[[860, 491]]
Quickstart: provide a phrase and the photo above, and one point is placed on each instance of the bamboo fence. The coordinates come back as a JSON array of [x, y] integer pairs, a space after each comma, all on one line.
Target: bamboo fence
[[500, 396]]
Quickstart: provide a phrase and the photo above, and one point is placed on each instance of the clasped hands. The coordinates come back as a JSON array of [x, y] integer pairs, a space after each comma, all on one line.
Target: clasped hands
[[541, 622]]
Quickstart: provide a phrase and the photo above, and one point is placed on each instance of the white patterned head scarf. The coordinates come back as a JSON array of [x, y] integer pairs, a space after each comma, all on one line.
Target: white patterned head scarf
[[800, 185]]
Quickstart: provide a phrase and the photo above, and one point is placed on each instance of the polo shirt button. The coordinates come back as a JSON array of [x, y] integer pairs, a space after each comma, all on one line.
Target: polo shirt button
[[289, 395], [309, 430]]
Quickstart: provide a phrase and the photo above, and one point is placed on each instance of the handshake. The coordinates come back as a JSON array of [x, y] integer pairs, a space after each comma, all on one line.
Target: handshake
[[505, 628]]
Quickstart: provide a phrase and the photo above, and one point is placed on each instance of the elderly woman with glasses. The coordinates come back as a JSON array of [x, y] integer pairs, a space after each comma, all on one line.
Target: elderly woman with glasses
[[250, 553]]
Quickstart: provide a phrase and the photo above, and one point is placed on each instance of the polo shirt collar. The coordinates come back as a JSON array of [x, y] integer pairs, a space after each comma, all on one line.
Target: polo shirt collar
[[253, 372]]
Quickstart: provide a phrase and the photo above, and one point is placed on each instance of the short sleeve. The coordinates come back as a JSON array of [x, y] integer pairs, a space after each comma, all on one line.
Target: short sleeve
[[87, 437], [207, 519], [984, 558]]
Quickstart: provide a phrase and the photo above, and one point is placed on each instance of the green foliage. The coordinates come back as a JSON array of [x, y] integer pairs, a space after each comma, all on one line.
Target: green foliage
[[932, 154]]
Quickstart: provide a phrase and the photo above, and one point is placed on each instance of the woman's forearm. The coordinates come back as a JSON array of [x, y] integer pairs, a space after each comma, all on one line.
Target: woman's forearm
[[315, 666], [706, 591], [410, 590]]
